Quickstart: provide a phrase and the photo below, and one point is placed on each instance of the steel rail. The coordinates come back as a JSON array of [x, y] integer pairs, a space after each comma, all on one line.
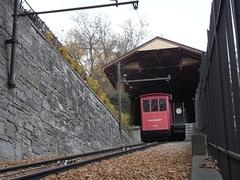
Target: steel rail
[[44, 162], [63, 168]]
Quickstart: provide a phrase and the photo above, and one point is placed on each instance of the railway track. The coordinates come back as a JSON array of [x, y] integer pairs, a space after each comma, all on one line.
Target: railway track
[[44, 168]]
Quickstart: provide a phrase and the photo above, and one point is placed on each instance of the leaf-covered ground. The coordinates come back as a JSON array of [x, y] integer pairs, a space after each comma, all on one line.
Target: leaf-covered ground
[[166, 161], [6, 163]]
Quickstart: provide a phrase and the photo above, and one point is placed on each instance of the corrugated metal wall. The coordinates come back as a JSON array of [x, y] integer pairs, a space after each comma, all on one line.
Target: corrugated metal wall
[[218, 93]]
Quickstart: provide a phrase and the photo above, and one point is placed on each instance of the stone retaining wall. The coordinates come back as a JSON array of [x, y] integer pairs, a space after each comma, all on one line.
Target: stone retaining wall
[[51, 111]]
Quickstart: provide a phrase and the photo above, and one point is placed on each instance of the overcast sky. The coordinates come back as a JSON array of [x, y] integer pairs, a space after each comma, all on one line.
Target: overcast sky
[[183, 21]]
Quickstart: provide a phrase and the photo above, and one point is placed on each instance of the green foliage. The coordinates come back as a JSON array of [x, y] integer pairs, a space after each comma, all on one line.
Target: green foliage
[[126, 104], [112, 102], [102, 96], [126, 121], [126, 108], [94, 85], [73, 63], [92, 44], [91, 82], [49, 36]]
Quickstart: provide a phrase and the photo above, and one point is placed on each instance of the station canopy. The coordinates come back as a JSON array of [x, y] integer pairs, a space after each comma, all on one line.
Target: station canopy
[[155, 59]]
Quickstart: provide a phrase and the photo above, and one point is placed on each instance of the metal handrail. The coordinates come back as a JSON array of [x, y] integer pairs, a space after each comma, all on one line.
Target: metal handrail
[[226, 152], [38, 22]]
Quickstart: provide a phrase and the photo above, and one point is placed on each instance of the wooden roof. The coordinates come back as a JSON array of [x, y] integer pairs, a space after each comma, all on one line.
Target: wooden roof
[[157, 43], [159, 58]]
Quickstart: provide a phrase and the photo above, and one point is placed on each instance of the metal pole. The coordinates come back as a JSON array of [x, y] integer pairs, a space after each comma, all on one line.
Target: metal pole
[[174, 115], [119, 98], [135, 5], [13, 41], [184, 115], [145, 80]]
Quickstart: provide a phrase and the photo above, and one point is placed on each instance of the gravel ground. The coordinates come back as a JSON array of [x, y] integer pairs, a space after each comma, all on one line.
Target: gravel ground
[[163, 162], [7, 163]]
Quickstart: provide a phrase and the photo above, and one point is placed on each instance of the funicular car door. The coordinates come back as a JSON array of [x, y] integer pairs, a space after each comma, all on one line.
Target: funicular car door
[[179, 113]]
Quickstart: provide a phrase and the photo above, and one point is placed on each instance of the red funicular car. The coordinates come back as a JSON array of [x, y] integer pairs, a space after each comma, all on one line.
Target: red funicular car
[[156, 116]]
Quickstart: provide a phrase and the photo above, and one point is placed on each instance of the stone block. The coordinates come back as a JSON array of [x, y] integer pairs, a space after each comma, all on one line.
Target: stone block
[[18, 150], [42, 88], [3, 103], [29, 127], [33, 105], [3, 72], [46, 105], [37, 133], [10, 130], [2, 128], [6, 150], [199, 144], [21, 95]]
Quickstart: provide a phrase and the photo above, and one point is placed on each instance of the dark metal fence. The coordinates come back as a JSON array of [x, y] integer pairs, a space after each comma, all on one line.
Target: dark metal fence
[[39, 23], [218, 93]]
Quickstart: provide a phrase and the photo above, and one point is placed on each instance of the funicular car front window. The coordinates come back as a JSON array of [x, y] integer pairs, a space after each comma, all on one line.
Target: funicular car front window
[[162, 104], [146, 105], [154, 105]]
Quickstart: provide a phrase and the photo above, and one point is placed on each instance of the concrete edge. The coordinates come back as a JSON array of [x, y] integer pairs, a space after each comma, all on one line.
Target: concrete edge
[[204, 168]]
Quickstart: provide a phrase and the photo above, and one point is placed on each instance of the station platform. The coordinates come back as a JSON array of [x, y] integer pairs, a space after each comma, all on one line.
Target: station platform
[[203, 165]]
